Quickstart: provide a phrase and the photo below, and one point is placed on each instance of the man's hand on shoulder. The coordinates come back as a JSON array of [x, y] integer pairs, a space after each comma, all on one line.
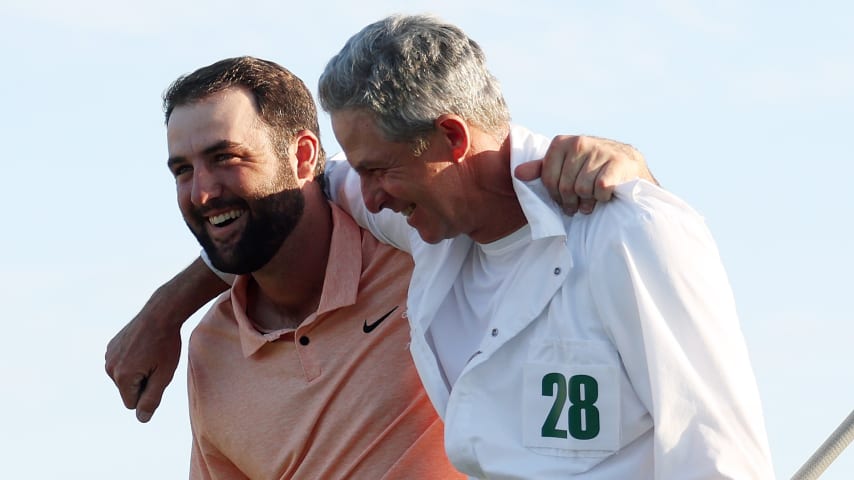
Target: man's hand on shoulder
[[578, 171], [142, 358]]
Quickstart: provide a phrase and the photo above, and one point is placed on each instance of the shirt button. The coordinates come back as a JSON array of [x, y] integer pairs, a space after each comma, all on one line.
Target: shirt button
[[303, 340], [494, 332]]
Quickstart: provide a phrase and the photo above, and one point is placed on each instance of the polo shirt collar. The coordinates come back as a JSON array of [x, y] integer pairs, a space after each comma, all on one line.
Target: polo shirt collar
[[340, 286]]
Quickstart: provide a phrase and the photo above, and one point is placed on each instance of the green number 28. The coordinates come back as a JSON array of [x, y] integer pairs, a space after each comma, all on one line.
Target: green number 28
[[583, 415]]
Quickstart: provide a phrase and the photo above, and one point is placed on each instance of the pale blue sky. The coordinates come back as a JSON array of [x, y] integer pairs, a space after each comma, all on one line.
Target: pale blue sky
[[743, 108]]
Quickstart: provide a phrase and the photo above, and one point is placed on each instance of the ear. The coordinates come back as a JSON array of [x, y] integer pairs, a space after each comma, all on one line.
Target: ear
[[307, 148], [456, 134]]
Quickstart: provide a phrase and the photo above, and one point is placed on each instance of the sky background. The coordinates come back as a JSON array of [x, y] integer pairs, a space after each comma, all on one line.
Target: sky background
[[742, 108]]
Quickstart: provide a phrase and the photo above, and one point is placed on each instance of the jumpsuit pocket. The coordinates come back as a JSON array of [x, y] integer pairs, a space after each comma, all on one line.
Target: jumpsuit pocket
[[571, 400]]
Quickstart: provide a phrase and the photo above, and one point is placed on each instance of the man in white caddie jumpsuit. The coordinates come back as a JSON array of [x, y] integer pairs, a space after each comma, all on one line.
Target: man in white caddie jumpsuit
[[605, 346]]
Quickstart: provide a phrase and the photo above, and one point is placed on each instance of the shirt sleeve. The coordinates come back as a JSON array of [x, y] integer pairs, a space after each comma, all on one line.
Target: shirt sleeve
[[344, 189], [665, 300], [225, 277]]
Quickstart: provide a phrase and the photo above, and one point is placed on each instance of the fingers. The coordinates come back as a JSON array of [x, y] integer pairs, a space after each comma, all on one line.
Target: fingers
[[152, 394], [560, 166], [112, 356], [586, 205], [143, 393], [609, 176], [579, 171], [529, 170], [130, 388], [141, 359], [140, 384], [565, 194], [597, 177], [129, 384], [563, 161]]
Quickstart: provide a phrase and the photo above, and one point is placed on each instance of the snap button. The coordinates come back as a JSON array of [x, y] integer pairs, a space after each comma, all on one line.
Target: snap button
[[303, 340], [557, 270], [494, 332]]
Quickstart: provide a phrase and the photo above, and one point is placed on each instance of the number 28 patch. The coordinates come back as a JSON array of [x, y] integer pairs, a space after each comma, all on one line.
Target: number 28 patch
[[573, 408]]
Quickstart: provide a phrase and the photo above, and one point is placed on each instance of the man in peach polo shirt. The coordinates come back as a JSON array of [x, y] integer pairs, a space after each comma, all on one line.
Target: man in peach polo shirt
[[301, 369]]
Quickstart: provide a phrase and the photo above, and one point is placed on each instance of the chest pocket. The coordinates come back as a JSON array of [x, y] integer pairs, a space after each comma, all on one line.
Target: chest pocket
[[571, 399]]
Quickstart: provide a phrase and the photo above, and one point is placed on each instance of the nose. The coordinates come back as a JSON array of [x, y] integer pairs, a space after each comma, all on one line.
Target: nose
[[205, 186], [374, 196]]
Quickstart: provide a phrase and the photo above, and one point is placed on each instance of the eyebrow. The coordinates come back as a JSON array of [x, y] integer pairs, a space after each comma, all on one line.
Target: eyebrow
[[214, 148], [370, 161]]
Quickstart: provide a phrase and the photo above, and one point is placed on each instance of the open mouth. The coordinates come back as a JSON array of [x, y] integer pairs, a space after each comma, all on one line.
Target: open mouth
[[224, 219], [406, 212]]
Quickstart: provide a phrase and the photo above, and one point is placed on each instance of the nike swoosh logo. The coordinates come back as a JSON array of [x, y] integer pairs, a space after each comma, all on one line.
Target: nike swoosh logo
[[370, 328]]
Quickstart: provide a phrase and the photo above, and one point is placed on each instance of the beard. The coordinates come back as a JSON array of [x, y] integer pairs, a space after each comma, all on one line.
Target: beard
[[269, 221]]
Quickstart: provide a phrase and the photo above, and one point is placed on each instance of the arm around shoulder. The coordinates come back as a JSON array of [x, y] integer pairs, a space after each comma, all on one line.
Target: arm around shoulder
[[344, 189], [579, 170], [142, 357]]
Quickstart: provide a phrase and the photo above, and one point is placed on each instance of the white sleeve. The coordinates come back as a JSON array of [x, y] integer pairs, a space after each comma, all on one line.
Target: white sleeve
[[344, 188], [664, 297], [225, 277]]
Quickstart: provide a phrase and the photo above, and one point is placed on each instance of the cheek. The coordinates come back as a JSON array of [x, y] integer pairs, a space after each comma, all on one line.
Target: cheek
[[397, 189], [184, 191], [397, 184]]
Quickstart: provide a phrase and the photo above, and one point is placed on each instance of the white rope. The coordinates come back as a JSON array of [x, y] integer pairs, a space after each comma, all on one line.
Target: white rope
[[828, 451]]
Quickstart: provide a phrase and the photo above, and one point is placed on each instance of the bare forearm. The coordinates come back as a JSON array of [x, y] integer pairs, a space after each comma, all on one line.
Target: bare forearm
[[185, 293]]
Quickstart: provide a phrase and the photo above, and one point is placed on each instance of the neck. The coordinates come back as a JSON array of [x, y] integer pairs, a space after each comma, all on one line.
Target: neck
[[288, 288], [492, 191]]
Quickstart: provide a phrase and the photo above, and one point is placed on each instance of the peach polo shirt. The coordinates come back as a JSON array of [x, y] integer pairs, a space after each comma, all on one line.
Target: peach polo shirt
[[337, 397]]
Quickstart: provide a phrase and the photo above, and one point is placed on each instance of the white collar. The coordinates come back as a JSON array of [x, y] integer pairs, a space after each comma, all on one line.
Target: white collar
[[543, 214]]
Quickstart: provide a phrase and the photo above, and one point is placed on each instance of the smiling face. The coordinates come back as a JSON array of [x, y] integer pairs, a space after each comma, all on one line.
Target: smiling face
[[237, 197], [425, 188]]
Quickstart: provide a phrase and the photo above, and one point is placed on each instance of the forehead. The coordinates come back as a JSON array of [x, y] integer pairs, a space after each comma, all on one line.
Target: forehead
[[361, 139], [227, 115]]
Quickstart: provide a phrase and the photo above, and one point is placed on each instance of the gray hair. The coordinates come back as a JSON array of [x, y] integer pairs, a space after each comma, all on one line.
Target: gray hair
[[408, 71]]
